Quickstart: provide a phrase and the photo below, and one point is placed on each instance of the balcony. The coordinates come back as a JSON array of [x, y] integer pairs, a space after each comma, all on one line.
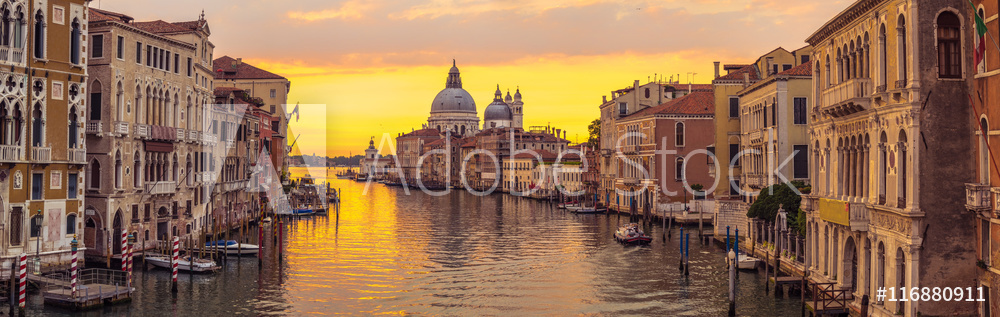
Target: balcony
[[755, 136], [606, 152], [810, 203], [233, 186], [94, 127], [732, 206], [859, 217], [900, 84], [161, 188], [11, 55], [630, 181], [11, 153], [192, 135], [181, 134], [846, 98], [142, 131], [78, 156], [121, 128], [41, 154], [977, 197]]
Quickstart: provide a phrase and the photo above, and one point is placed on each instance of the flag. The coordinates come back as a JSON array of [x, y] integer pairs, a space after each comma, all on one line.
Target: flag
[[296, 112], [981, 34]]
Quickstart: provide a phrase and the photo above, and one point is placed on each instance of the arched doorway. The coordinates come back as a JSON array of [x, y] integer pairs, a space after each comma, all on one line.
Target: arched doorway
[[93, 235], [117, 227], [850, 264]]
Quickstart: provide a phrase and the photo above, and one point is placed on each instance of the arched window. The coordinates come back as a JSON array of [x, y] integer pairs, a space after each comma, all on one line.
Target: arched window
[[949, 39], [5, 27], [880, 281], [984, 157], [18, 123], [981, 67], [901, 48], [74, 128], [19, 28], [679, 133], [4, 124], [37, 129], [901, 188], [882, 57], [647, 93], [827, 81], [118, 170], [74, 42], [39, 42], [119, 103], [840, 66], [136, 171], [679, 168], [900, 276], [137, 104], [95, 174], [71, 224]]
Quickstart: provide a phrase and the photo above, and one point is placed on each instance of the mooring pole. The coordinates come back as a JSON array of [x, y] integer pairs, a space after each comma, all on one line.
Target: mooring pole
[[733, 261], [687, 251], [681, 266]]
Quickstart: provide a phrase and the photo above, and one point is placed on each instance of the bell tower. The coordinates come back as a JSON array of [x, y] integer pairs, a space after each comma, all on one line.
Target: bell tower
[[516, 107]]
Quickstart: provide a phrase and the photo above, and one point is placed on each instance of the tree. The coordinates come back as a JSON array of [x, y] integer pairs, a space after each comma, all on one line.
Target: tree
[[595, 132], [766, 205]]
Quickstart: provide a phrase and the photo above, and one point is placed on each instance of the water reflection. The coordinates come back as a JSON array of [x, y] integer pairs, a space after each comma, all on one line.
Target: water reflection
[[458, 254]]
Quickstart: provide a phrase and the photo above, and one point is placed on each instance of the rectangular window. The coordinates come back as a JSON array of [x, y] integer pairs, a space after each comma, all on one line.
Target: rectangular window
[[274, 93], [37, 184], [177, 63], [71, 181], [774, 114], [189, 66], [734, 107], [149, 55], [733, 150], [272, 108], [622, 108], [949, 52], [138, 52], [805, 59], [120, 52], [800, 110], [986, 304], [984, 238], [711, 150], [16, 223], [95, 106], [166, 61], [786, 67], [97, 46], [801, 161], [774, 69]]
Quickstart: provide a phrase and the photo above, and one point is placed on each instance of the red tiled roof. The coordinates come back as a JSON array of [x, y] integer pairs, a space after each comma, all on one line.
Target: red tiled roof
[[546, 155], [158, 26], [805, 69], [699, 102], [422, 132], [225, 68], [97, 15], [738, 74], [190, 25]]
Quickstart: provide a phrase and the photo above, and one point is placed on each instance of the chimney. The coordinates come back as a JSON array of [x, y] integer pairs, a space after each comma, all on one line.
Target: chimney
[[716, 69], [564, 135], [746, 80], [605, 98], [689, 88]]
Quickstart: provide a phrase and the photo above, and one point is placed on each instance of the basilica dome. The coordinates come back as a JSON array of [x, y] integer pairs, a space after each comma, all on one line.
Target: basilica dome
[[453, 98]]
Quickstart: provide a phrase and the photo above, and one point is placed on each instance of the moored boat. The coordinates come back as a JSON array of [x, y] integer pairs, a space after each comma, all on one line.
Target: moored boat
[[568, 204], [303, 211], [591, 210], [186, 263], [632, 234], [746, 262], [233, 247]]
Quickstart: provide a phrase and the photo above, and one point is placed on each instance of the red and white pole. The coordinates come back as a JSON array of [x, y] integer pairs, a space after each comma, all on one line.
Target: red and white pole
[[22, 280], [173, 264], [124, 250], [72, 267], [128, 267]]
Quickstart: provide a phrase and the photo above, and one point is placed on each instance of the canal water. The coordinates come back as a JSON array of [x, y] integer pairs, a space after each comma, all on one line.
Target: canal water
[[458, 254]]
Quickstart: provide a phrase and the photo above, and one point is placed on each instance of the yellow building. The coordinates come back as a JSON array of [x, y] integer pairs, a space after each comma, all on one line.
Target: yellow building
[[888, 204]]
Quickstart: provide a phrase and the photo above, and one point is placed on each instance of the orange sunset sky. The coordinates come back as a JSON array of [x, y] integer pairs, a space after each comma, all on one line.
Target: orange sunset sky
[[377, 65]]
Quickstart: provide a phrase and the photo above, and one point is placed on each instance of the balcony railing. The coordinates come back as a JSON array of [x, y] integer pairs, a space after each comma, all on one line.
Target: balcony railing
[[11, 54], [181, 134], [630, 181], [810, 203], [880, 88], [977, 197], [900, 84], [11, 153], [846, 98], [76, 156], [732, 206], [161, 188], [901, 202], [193, 135], [94, 127], [142, 131], [859, 217], [41, 154], [121, 128]]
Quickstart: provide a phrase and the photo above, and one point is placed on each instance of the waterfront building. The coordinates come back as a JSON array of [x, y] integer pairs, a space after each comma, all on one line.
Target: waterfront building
[[272, 89], [892, 110], [409, 148], [143, 131], [661, 150], [231, 122], [624, 102], [983, 195], [42, 118], [368, 162]]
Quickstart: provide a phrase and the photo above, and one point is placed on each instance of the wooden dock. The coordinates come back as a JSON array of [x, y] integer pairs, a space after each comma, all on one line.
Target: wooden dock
[[95, 288]]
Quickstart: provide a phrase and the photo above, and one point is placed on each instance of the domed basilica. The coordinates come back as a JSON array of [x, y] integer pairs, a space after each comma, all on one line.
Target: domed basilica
[[454, 109]]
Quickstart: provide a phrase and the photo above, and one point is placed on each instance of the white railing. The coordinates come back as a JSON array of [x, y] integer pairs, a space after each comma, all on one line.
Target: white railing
[[17, 55], [859, 217], [732, 206], [121, 127], [181, 134], [854, 88], [234, 186], [192, 135], [142, 131], [162, 187], [4, 54], [76, 155], [977, 197], [11, 153], [41, 154], [94, 127]]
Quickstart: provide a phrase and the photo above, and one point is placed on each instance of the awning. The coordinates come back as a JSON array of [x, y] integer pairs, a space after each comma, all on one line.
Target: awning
[[154, 146], [835, 211]]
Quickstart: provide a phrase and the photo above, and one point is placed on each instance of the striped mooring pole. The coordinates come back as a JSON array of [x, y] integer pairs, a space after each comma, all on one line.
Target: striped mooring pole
[[173, 264], [124, 250], [72, 266], [128, 268], [22, 281]]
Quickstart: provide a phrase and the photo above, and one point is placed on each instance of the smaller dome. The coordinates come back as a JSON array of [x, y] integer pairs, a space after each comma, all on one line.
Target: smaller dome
[[517, 94], [497, 111]]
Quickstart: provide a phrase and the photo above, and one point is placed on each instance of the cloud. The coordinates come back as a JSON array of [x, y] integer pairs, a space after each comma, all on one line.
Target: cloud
[[438, 8], [350, 10]]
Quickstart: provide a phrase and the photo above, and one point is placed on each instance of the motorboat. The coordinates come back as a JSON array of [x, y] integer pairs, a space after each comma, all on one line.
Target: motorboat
[[302, 211], [233, 247], [632, 234], [186, 263], [746, 262], [590, 210]]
